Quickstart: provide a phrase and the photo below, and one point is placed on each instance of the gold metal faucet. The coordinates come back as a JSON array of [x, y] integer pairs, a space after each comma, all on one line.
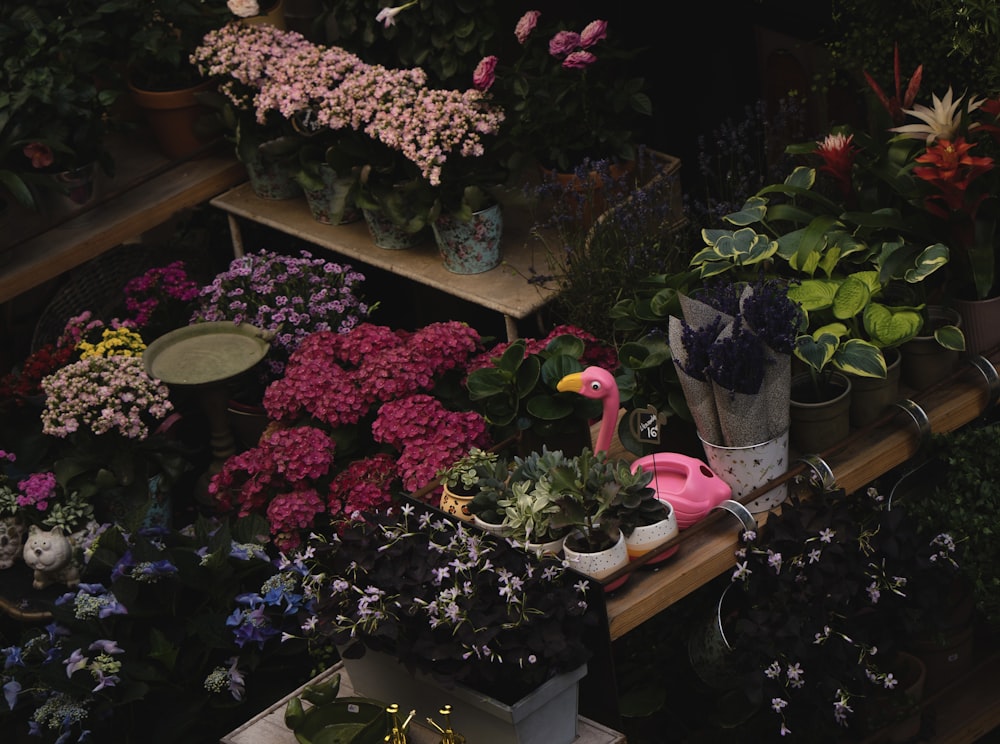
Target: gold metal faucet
[[448, 735]]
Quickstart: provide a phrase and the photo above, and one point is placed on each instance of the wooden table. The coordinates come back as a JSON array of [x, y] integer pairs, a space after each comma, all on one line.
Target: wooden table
[[268, 726], [504, 289]]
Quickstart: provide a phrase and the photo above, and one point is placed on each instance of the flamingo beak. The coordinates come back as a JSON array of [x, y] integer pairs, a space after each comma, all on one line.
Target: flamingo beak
[[571, 383]]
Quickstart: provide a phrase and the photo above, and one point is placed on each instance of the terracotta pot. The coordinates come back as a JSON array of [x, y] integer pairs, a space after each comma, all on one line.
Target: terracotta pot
[[272, 13], [173, 116]]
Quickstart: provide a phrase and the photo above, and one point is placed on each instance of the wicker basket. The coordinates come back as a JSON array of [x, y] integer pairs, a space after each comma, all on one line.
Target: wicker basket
[[96, 286]]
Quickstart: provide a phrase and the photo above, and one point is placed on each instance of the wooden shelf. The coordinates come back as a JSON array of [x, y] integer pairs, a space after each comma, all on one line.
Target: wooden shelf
[[146, 191], [708, 550], [504, 289]]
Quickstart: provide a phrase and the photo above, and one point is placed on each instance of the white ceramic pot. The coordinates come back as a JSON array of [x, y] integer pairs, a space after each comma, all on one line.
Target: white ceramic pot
[[552, 547], [493, 529], [601, 564], [647, 537]]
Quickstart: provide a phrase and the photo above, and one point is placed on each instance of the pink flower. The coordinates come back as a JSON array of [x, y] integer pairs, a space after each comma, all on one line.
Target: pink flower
[[578, 60], [563, 43], [40, 155], [593, 33], [485, 73], [526, 25]]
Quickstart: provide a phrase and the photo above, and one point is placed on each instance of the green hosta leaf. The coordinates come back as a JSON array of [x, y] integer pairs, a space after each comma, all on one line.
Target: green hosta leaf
[[753, 210], [891, 326], [950, 337], [814, 294], [852, 295], [818, 349], [861, 358], [932, 258]]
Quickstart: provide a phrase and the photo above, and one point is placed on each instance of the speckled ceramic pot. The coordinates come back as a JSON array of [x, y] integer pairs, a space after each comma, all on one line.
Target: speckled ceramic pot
[[649, 536], [601, 564]]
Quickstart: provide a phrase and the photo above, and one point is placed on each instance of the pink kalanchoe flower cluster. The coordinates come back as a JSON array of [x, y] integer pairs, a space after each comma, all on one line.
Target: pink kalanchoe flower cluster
[[267, 70], [158, 287], [428, 436], [37, 490], [104, 395]]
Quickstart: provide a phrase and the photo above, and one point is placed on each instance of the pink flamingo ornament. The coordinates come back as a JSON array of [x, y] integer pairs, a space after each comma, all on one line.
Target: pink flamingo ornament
[[598, 383], [687, 483]]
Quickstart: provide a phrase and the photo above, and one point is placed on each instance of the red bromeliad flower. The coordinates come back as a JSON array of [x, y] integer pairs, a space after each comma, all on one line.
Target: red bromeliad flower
[[900, 101], [950, 168], [838, 154]]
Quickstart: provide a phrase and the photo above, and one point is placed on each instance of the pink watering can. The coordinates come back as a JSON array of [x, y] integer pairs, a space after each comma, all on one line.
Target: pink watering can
[[687, 483]]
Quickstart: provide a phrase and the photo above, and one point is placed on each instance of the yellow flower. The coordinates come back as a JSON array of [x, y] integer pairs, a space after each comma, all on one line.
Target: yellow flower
[[942, 121], [114, 342]]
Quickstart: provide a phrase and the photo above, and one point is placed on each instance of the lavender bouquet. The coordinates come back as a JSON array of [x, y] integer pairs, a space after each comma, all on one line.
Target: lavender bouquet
[[733, 352]]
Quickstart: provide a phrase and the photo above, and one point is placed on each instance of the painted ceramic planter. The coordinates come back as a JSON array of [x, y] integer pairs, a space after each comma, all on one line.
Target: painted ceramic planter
[[473, 246], [273, 178], [456, 504], [388, 235], [328, 205]]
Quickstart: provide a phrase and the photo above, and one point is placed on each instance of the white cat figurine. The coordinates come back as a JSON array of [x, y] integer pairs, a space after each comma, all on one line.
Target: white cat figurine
[[11, 540], [50, 554]]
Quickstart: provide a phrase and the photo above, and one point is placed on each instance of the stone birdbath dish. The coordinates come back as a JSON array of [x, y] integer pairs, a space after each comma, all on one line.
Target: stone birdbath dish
[[204, 356]]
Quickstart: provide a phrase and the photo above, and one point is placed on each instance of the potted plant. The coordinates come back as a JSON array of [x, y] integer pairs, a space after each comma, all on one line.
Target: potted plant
[[572, 93], [527, 503], [816, 610], [954, 494], [358, 418], [112, 422], [453, 620], [290, 295], [593, 494], [59, 89], [492, 485], [159, 616], [515, 387], [460, 481]]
